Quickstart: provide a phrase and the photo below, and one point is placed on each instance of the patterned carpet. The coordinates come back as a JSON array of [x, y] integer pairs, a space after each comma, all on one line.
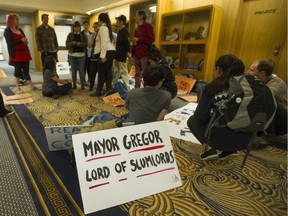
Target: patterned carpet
[[208, 188]]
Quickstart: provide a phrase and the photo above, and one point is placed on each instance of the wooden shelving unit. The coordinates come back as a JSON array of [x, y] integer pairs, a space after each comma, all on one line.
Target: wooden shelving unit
[[190, 38]]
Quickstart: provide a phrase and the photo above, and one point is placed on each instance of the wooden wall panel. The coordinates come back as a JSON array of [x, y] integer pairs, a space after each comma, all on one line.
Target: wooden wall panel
[[114, 12]]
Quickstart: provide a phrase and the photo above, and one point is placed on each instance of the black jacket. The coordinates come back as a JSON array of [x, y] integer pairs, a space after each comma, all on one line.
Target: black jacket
[[8, 34], [122, 45], [169, 83]]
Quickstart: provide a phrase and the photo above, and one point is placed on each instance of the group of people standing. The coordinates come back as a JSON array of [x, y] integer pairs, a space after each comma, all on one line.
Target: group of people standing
[[92, 52]]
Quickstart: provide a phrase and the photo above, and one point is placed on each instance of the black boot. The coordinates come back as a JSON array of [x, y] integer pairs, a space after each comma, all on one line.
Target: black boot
[[74, 86]]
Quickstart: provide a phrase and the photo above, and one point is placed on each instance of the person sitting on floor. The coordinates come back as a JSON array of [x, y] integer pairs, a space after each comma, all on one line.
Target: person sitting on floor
[[169, 84], [150, 103], [263, 69], [213, 96], [3, 111], [50, 87]]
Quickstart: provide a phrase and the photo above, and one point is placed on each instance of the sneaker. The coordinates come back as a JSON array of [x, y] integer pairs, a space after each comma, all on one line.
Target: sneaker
[[18, 91], [227, 154], [259, 143], [9, 112], [209, 154], [23, 81], [74, 86], [109, 92]]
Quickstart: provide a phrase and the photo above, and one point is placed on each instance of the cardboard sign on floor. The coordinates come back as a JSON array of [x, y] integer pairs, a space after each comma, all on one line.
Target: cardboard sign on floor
[[15, 97], [62, 68], [2, 74], [177, 123], [116, 166], [18, 102], [114, 100], [60, 137]]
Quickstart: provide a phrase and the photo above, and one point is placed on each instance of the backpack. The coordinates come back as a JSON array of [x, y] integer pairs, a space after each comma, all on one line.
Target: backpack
[[248, 99]]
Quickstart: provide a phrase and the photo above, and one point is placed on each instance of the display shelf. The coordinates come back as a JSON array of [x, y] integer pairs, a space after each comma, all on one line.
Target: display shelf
[[191, 37]]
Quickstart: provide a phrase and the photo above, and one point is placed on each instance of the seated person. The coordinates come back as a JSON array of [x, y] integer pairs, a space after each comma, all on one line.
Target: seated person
[[3, 111], [50, 87], [214, 95], [263, 69], [169, 84], [150, 103]]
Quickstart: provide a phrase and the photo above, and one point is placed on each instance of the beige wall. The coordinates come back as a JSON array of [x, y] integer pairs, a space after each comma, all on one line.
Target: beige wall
[[27, 5]]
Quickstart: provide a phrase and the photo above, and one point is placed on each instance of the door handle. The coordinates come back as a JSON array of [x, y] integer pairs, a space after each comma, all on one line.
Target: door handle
[[277, 49]]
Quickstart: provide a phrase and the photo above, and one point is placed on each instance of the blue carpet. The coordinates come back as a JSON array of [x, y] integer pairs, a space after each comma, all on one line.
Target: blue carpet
[[56, 180]]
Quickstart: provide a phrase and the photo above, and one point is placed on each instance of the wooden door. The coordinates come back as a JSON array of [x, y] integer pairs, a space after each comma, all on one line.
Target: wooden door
[[262, 33]]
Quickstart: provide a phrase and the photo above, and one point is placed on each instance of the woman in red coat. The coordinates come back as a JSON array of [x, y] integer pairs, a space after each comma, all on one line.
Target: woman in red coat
[[19, 54]]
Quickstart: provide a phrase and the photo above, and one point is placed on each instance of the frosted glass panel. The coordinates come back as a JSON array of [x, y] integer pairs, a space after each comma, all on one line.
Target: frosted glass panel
[[62, 32]]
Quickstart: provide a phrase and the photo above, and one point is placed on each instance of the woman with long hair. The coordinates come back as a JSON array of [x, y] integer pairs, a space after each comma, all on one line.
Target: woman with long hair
[[214, 96], [50, 86], [105, 52], [19, 54], [76, 44]]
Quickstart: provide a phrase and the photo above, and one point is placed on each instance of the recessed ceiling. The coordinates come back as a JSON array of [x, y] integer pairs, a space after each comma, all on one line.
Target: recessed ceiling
[[74, 6]]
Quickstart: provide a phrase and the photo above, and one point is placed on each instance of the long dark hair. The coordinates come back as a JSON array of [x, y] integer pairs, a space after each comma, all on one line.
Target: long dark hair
[[49, 64], [104, 17], [231, 66]]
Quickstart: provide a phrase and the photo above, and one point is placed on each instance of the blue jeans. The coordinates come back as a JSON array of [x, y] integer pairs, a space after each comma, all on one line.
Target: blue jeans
[[77, 63]]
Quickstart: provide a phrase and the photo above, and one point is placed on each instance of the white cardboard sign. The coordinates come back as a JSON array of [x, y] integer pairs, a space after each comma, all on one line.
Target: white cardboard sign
[[60, 137], [177, 123], [62, 68], [124, 164]]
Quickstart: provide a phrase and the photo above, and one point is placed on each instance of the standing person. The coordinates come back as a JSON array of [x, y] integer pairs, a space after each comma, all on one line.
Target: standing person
[[76, 44], [106, 51], [3, 111], [46, 40], [150, 103], [94, 59], [263, 69], [122, 49], [88, 34], [50, 86], [143, 38], [19, 54]]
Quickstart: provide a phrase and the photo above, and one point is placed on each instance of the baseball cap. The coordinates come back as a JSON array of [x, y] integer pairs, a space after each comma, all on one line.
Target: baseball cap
[[121, 18]]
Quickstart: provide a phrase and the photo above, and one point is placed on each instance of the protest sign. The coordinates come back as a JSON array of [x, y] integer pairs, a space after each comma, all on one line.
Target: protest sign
[[2, 74], [62, 68], [114, 99], [60, 137], [188, 98], [184, 84], [118, 165], [177, 123]]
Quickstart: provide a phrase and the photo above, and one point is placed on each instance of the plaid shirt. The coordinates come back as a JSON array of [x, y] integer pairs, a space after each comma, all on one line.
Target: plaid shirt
[[46, 39]]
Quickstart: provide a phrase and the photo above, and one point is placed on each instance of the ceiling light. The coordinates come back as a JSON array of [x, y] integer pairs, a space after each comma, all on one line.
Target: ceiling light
[[92, 11]]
